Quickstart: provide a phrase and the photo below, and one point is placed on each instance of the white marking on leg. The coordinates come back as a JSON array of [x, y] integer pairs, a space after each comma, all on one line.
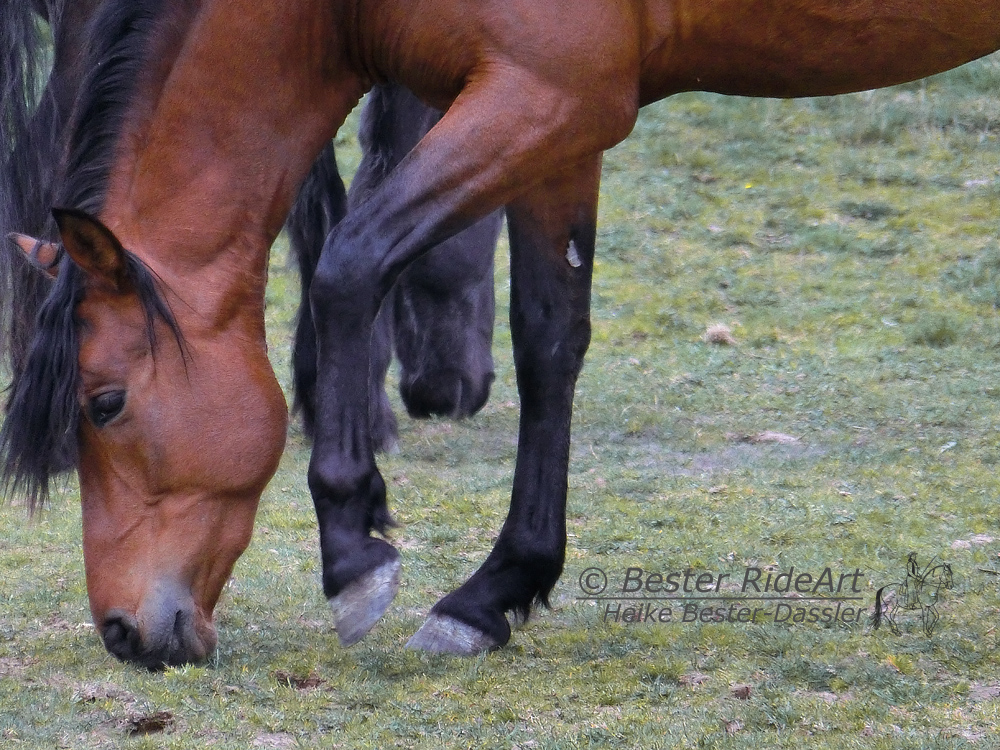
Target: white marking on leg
[[572, 255]]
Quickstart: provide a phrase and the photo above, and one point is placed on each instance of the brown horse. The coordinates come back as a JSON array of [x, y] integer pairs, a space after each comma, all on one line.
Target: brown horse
[[227, 104], [440, 323]]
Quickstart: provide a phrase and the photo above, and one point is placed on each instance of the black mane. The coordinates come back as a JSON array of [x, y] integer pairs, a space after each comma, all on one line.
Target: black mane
[[122, 32], [39, 435], [29, 147]]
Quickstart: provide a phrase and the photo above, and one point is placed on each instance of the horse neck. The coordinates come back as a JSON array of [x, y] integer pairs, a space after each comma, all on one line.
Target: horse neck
[[214, 151]]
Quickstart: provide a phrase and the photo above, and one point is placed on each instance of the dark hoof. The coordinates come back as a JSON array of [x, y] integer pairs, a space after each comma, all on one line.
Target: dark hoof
[[359, 606], [441, 634]]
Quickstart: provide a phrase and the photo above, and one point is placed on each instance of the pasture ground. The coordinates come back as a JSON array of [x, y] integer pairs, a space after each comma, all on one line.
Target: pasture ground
[[850, 248]]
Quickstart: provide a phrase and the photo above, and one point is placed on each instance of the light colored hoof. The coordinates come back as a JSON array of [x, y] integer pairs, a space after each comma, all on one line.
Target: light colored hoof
[[359, 606], [445, 635]]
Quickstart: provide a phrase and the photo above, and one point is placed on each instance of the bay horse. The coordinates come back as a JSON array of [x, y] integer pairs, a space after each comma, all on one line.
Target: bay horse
[[441, 324], [220, 108]]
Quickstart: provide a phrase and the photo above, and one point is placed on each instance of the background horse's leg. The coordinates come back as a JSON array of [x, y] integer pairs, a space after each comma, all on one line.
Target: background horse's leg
[[552, 247]]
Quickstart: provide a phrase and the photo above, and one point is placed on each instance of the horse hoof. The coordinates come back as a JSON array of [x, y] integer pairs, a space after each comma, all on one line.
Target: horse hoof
[[445, 635], [359, 606]]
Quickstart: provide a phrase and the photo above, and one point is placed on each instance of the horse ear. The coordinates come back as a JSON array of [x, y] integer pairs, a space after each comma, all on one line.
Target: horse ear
[[93, 246], [42, 255]]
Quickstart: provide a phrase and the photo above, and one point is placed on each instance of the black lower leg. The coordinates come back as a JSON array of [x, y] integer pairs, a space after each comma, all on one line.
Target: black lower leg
[[348, 491], [552, 243]]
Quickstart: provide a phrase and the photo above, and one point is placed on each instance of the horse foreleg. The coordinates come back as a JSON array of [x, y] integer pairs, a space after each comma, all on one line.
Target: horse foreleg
[[321, 205], [508, 133], [552, 245]]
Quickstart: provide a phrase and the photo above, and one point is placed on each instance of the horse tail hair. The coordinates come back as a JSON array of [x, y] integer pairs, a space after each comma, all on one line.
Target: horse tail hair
[[876, 619], [319, 207], [29, 143], [374, 135], [20, 47]]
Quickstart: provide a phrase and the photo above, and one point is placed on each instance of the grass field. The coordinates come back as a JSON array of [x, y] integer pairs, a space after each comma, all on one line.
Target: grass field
[[846, 416]]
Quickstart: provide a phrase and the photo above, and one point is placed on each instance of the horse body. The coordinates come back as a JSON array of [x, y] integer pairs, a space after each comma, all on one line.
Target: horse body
[[536, 93], [232, 104]]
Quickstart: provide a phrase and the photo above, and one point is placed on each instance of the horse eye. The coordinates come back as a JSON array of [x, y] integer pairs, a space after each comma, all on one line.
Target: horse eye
[[104, 407]]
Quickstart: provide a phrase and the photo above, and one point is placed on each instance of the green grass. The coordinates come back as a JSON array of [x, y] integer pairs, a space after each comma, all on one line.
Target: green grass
[[850, 245]]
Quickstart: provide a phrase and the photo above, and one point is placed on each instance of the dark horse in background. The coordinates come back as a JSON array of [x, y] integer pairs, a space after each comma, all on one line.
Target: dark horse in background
[[195, 127], [438, 317]]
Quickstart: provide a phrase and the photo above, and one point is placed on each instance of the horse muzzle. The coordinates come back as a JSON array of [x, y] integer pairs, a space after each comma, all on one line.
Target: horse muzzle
[[167, 631]]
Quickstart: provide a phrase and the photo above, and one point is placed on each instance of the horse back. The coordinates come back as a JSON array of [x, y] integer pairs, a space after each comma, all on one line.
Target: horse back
[[789, 48]]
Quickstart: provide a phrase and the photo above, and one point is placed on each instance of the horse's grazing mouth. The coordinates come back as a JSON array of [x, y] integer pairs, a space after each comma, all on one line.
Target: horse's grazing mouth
[[180, 643]]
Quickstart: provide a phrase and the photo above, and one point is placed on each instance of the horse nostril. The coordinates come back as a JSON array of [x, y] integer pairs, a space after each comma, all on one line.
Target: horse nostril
[[121, 637], [169, 636]]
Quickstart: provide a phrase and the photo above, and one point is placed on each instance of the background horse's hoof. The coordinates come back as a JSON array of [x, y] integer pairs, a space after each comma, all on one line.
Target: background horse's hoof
[[359, 606], [445, 635]]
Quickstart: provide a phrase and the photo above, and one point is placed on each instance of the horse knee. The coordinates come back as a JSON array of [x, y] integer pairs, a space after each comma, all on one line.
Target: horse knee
[[343, 286]]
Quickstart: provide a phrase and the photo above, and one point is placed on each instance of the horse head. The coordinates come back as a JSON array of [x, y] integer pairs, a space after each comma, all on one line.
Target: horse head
[[174, 430]]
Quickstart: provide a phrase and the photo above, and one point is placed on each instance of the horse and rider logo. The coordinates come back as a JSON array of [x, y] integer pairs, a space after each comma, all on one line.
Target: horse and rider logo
[[920, 591]]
